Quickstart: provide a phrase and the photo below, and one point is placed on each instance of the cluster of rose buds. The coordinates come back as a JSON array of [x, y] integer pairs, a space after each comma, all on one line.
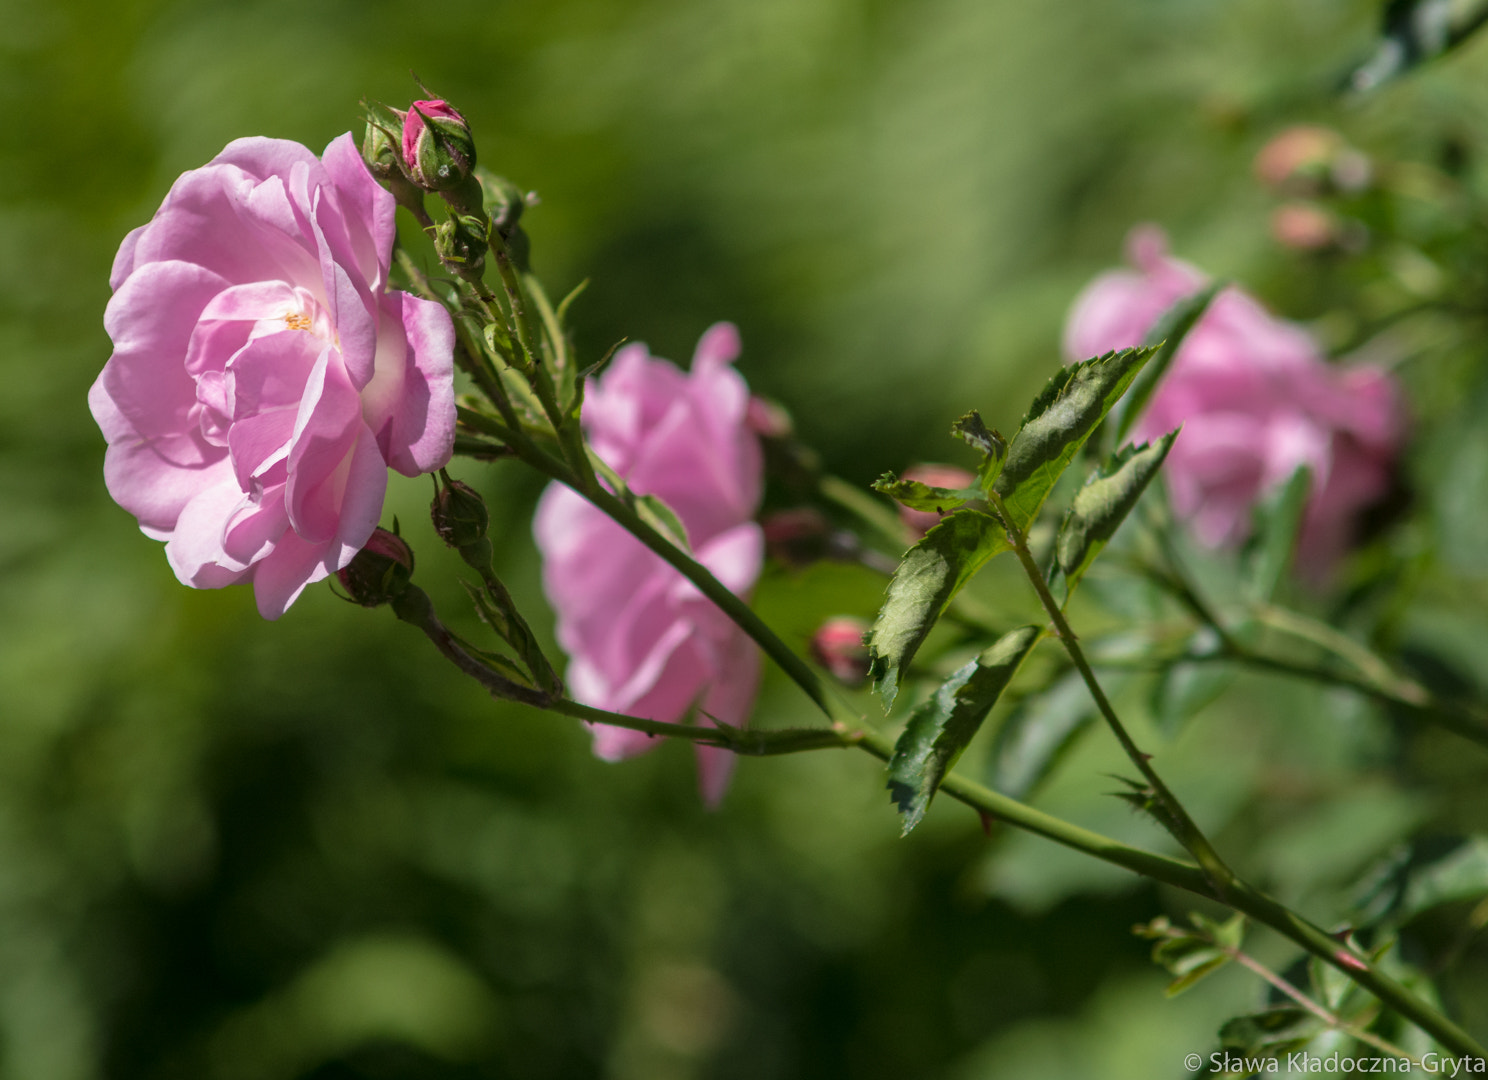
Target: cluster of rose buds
[[428, 148], [1305, 165]]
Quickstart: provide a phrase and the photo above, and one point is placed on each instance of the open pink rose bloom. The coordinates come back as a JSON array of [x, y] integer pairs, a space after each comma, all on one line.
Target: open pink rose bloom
[[643, 639], [1256, 400], [263, 378]]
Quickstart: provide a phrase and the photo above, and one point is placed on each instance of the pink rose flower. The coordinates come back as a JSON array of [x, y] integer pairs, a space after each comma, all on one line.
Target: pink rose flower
[[1256, 400], [642, 639], [263, 378]]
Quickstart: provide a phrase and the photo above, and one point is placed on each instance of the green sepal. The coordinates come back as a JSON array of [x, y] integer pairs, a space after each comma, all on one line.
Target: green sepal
[[940, 729], [1061, 418], [931, 573], [1102, 505]]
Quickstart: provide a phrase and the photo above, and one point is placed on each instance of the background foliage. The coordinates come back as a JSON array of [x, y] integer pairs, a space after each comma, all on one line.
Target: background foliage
[[233, 849]]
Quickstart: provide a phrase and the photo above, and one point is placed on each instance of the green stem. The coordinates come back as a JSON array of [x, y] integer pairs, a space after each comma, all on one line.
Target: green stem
[[1174, 814], [1202, 880]]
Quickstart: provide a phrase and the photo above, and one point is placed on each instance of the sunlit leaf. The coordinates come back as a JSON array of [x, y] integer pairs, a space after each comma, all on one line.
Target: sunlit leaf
[[1102, 505], [940, 729], [1061, 418], [932, 572], [1167, 334]]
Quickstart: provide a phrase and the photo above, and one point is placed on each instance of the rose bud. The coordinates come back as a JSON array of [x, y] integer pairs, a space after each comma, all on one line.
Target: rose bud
[[380, 572], [797, 537], [1304, 226], [459, 514], [942, 476], [838, 647], [438, 151]]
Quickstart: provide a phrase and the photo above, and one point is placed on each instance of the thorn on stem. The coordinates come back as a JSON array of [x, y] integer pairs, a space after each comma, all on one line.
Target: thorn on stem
[[988, 820], [1349, 960]]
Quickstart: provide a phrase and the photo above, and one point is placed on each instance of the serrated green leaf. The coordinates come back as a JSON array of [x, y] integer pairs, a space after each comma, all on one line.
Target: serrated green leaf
[[940, 729], [1167, 334], [1188, 959], [1103, 503], [1038, 731], [1271, 1031], [932, 572], [1278, 520], [1414, 32], [925, 497], [1061, 418], [990, 443]]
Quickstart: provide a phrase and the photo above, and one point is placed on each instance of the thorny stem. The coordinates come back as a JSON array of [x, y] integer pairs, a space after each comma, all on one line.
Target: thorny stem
[[1211, 878], [1174, 815]]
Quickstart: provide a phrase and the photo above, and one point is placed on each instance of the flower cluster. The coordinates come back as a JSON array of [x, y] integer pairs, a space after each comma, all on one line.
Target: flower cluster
[[643, 639], [1256, 401], [264, 378]]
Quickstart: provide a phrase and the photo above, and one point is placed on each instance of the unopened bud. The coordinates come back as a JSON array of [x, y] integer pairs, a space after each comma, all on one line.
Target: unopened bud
[[380, 572], [459, 514], [797, 537], [460, 241], [383, 153], [838, 647], [942, 476], [438, 151], [1310, 160]]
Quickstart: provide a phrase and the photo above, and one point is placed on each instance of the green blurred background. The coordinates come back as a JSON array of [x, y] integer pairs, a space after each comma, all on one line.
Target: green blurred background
[[237, 849]]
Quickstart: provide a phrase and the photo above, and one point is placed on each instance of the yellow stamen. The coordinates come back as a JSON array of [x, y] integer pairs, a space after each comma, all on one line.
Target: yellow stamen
[[298, 321]]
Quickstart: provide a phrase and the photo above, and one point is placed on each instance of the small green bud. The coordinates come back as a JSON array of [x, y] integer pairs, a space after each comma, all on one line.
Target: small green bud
[[459, 514], [379, 573], [460, 241]]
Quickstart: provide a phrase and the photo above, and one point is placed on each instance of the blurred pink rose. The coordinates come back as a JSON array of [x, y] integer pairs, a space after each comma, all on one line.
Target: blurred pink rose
[[643, 640], [1256, 400], [263, 378]]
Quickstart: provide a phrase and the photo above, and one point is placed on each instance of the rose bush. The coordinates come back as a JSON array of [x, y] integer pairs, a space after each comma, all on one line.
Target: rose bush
[[263, 378], [643, 640], [1256, 400]]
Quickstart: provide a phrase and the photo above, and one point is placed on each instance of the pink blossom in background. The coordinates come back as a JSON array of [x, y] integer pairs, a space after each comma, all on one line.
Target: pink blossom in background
[[1256, 400], [263, 378], [642, 639]]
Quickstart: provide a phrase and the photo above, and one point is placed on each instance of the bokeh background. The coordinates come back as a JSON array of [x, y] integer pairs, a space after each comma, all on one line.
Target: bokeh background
[[237, 849]]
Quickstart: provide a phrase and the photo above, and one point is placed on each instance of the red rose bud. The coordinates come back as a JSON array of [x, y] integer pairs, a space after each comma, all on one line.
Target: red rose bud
[[838, 647], [380, 572], [459, 514], [942, 476], [438, 151]]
